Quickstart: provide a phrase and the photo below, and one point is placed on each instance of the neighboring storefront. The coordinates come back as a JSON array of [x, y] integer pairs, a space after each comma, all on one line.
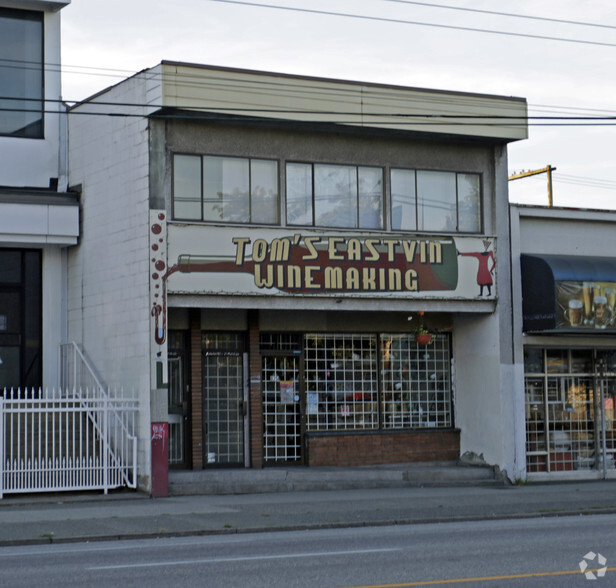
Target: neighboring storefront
[[567, 314], [298, 237]]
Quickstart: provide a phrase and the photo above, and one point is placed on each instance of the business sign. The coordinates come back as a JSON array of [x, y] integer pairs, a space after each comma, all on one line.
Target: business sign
[[585, 305], [221, 260]]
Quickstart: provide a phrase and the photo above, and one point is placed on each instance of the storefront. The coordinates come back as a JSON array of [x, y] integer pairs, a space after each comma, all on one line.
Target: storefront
[[326, 368], [296, 235], [326, 399], [568, 317]]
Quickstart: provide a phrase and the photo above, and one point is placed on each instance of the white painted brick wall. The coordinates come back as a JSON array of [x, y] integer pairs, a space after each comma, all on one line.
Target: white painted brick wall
[[108, 287]]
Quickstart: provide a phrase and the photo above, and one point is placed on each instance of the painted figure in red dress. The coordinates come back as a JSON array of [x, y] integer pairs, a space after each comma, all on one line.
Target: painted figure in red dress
[[484, 273]]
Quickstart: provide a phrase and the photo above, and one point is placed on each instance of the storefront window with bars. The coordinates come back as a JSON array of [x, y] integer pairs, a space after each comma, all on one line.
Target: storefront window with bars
[[345, 391], [570, 396]]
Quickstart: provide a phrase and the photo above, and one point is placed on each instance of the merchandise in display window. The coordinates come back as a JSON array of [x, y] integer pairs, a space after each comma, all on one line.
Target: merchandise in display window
[[566, 406]]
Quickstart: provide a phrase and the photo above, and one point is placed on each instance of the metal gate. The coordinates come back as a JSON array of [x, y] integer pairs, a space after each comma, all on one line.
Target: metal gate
[[282, 427], [224, 407], [67, 440]]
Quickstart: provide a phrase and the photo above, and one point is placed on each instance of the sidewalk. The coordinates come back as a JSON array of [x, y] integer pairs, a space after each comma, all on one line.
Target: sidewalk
[[124, 515]]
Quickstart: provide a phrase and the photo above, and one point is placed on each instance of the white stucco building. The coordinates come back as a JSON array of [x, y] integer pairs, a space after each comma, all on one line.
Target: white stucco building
[[38, 217]]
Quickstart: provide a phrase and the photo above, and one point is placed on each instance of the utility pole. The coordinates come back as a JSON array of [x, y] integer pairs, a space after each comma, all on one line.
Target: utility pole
[[546, 170]]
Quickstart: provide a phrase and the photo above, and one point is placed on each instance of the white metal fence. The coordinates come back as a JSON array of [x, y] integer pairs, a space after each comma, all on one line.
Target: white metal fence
[[74, 439]]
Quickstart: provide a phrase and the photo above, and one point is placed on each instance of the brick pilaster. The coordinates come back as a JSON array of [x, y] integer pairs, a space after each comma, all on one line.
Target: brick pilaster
[[196, 388], [256, 396]]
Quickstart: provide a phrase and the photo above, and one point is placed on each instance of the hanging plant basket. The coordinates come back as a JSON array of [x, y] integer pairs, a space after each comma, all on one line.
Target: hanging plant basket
[[424, 339]]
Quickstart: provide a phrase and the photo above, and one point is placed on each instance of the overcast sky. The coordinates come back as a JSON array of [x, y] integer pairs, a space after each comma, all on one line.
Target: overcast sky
[[105, 41]]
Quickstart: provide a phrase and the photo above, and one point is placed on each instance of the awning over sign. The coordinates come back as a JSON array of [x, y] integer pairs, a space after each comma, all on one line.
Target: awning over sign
[[551, 282]]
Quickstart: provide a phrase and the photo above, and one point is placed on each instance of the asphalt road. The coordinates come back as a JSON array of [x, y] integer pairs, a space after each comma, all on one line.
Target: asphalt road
[[520, 552]]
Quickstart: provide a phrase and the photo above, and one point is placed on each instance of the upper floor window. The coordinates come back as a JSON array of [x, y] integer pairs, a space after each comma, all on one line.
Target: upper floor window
[[225, 189], [345, 196], [21, 73], [435, 201]]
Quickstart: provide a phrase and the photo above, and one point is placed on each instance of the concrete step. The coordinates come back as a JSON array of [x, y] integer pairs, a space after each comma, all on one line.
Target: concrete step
[[299, 478]]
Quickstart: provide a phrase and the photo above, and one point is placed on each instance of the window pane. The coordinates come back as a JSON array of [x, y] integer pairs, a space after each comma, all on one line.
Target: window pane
[[335, 195], [10, 267], [557, 361], [416, 386], [21, 77], [187, 186], [370, 197], [403, 200], [10, 368], [436, 201], [225, 189], [264, 191], [341, 381], [469, 201], [533, 360], [299, 194]]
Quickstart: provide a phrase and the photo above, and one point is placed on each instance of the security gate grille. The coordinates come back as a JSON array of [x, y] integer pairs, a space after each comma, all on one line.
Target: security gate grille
[[570, 418], [281, 409], [177, 418], [223, 395]]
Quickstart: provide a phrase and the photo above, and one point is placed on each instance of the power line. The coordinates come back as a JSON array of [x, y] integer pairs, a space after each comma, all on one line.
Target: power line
[[196, 81], [417, 119], [585, 181], [508, 14], [416, 23]]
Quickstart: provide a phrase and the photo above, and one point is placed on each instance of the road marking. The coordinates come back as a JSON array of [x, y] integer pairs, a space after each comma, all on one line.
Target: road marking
[[478, 579], [236, 559]]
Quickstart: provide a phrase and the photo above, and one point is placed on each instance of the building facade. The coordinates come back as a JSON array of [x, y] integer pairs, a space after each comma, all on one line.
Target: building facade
[[39, 219], [259, 255], [565, 331]]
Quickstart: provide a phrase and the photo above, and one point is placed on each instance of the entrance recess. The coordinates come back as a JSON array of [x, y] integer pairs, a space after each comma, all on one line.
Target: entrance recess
[[282, 428], [224, 407], [179, 401]]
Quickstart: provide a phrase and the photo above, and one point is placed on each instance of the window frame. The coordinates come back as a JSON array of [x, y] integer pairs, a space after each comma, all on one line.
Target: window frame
[[202, 179], [313, 165], [25, 101], [380, 394], [366, 217], [418, 201]]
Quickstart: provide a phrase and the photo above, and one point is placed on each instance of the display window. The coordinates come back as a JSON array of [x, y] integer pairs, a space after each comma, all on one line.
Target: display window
[[569, 398], [363, 381]]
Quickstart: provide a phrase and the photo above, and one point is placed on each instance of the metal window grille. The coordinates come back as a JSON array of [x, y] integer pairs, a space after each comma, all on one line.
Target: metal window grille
[[223, 341], [567, 401], [223, 408], [341, 381], [282, 421], [416, 382]]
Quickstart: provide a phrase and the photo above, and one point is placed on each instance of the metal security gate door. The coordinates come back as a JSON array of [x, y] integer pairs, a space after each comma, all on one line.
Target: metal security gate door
[[178, 413], [224, 408], [282, 427]]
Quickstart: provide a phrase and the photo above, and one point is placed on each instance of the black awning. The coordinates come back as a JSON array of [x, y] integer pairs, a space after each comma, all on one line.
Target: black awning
[[539, 276]]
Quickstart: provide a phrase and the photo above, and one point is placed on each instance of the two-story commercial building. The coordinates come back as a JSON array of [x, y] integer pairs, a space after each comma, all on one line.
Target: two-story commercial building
[[260, 252], [38, 218]]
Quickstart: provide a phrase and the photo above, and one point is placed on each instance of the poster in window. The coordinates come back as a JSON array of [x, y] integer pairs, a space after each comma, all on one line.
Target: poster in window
[[585, 305], [312, 403], [287, 392]]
